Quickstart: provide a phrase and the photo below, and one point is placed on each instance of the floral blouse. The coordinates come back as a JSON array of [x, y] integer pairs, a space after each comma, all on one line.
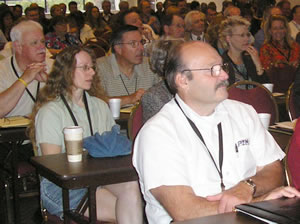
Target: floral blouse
[[54, 42], [272, 54]]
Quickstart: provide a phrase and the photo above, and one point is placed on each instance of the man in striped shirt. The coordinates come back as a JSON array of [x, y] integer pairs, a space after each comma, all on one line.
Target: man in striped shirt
[[126, 73]]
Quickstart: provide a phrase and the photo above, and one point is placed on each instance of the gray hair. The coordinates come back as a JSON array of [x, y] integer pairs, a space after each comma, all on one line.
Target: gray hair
[[175, 65], [188, 18], [24, 26], [159, 54], [227, 11]]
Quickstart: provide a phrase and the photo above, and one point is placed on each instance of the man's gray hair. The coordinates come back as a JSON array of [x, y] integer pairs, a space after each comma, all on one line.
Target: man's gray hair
[[24, 26], [188, 19]]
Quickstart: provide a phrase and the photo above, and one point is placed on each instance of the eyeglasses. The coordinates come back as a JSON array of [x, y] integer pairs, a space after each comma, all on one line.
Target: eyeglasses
[[215, 70], [242, 35], [86, 68], [135, 43]]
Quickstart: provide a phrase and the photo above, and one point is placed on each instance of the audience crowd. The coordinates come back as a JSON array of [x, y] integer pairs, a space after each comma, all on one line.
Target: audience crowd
[[150, 56]]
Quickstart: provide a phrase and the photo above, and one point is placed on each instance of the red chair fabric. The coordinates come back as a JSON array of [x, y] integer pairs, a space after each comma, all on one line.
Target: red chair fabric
[[293, 158], [282, 78], [259, 97]]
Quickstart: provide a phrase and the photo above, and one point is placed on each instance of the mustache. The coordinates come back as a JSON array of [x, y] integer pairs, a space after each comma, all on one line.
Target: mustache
[[224, 83]]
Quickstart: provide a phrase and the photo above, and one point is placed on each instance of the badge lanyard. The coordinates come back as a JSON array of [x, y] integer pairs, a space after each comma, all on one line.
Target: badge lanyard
[[198, 133], [86, 109]]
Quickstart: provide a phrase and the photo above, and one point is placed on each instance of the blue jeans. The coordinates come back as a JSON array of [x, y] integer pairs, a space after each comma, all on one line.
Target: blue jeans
[[51, 196]]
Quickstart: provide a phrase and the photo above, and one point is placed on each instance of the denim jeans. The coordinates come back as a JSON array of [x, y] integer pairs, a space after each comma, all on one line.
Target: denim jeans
[[51, 196]]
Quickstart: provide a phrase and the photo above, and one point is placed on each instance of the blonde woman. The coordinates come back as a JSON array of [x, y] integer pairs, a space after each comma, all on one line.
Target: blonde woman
[[73, 83], [240, 56]]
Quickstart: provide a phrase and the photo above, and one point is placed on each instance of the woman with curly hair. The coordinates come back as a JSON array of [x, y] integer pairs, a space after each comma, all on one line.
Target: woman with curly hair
[[241, 57], [73, 83]]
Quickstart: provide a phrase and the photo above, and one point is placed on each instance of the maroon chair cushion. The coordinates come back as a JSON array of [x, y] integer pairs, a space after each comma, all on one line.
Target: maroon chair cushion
[[282, 78], [137, 121], [257, 97]]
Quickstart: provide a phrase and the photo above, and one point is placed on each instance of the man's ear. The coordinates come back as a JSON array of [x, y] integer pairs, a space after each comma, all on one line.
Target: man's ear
[[17, 47], [118, 48], [181, 81]]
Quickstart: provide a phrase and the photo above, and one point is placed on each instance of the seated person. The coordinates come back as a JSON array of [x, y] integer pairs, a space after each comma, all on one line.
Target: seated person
[[242, 58], [131, 17], [173, 27], [78, 26], [22, 75], [195, 26], [280, 55], [158, 95], [293, 158], [59, 38], [73, 83], [210, 153], [126, 74]]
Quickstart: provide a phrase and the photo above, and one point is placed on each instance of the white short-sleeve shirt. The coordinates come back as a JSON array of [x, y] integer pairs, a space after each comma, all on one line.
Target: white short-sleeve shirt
[[54, 116], [168, 152]]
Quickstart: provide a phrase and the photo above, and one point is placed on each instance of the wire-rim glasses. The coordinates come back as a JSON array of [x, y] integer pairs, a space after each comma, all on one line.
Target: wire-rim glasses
[[215, 70]]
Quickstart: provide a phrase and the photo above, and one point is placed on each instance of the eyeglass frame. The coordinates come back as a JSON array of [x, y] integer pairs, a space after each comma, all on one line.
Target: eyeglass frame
[[242, 35], [222, 66], [86, 68], [134, 43]]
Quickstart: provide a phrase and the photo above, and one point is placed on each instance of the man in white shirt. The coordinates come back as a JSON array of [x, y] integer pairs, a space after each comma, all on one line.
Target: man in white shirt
[[203, 154], [295, 23], [22, 73]]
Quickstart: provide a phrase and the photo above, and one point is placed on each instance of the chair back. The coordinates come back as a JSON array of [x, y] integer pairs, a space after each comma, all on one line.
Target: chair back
[[290, 106], [135, 121], [97, 48], [282, 78], [259, 97]]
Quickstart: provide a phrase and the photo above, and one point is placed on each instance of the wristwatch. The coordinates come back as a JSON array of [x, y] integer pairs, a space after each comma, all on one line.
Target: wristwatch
[[251, 183]]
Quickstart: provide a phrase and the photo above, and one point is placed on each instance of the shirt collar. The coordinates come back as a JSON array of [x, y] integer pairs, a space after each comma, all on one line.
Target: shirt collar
[[214, 119]]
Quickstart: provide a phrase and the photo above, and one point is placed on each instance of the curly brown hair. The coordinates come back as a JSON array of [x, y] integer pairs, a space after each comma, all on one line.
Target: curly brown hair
[[60, 81]]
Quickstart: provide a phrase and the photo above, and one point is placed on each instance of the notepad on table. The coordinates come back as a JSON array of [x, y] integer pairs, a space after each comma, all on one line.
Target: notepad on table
[[14, 122]]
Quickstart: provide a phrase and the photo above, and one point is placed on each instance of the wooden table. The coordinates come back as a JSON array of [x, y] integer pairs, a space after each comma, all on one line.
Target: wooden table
[[90, 173], [226, 218]]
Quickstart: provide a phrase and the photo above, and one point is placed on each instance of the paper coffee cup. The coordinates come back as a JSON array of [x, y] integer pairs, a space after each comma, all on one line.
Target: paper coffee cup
[[115, 105], [265, 119], [73, 143], [269, 86]]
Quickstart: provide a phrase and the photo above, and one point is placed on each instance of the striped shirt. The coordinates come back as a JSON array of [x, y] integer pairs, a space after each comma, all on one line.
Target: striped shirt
[[115, 83]]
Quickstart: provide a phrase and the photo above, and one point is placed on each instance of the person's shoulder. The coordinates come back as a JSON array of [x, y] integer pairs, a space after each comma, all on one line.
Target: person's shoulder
[[234, 104], [54, 105], [98, 101], [104, 60]]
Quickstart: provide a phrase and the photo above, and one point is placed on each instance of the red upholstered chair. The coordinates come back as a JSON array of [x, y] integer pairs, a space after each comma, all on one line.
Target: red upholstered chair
[[135, 121], [282, 78], [259, 97], [290, 106]]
